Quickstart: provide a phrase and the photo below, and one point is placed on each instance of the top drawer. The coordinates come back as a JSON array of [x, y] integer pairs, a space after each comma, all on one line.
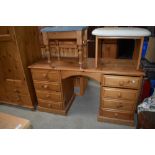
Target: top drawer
[[121, 81], [45, 75]]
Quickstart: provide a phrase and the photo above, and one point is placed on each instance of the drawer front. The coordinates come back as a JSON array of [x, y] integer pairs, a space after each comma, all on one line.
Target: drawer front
[[46, 75], [19, 99], [45, 86], [118, 104], [121, 81], [54, 96], [117, 115], [124, 94], [16, 86], [62, 35], [50, 105]]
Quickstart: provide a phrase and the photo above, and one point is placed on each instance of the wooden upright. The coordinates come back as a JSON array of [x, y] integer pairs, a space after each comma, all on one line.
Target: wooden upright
[[19, 47]]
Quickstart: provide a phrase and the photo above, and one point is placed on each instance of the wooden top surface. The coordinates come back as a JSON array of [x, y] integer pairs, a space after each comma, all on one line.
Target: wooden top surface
[[12, 122], [108, 66]]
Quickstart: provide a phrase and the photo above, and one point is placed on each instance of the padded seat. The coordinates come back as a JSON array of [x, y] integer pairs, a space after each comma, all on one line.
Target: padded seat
[[63, 28], [121, 32]]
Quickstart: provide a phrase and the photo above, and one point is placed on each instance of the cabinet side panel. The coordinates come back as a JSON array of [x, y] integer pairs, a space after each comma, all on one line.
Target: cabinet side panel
[[29, 48]]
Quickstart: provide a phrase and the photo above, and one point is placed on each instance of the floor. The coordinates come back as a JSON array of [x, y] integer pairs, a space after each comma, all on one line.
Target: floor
[[82, 114]]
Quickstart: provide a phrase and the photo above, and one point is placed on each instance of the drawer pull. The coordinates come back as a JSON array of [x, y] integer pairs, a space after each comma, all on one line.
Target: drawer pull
[[18, 98], [44, 75], [47, 95], [119, 106], [121, 83], [116, 114], [45, 86], [119, 95], [133, 81], [49, 105], [16, 90]]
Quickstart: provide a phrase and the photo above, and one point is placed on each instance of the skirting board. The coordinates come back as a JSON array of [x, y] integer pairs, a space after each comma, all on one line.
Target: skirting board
[[114, 120]]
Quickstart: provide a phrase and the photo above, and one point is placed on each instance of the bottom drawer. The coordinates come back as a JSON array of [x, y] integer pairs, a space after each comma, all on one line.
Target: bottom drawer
[[50, 105], [117, 114], [19, 99]]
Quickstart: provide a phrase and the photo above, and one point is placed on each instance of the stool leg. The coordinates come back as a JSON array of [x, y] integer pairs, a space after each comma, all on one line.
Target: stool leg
[[80, 56]]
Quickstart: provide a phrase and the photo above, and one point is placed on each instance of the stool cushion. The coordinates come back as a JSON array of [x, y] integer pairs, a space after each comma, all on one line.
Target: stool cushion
[[63, 28], [121, 32]]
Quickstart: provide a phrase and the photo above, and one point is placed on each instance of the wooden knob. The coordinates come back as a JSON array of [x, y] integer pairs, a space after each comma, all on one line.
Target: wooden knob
[[84, 42], [133, 81], [120, 106], [15, 90], [18, 98], [44, 75], [128, 81], [121, 83], [49, 105], [45, 86], [47, 95], [119, 95], [116, 114]]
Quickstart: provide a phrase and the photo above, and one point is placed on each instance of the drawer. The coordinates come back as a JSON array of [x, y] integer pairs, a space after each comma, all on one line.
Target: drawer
[[53, 96], [62, 35], [50, 104], [45, 75], [19, 99], [116, 93], [121, 81], [46, 86], [117, 114], [118, 104], [16, 86]]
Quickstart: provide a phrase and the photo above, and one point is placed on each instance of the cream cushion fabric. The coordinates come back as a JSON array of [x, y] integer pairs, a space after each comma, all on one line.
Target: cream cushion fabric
[[121, 32]]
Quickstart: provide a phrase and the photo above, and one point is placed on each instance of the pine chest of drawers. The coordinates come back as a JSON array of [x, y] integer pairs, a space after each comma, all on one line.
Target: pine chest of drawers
[[50, 90], [119, 96]]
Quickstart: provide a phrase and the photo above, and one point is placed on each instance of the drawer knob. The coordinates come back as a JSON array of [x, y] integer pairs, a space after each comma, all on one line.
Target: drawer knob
[[45, 86], [18, 98], [116, 114], [16, 90], [44, 75], [47, 95], [119, 95], [49, 105], [121, 83], [133, 81], [120, 106]]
